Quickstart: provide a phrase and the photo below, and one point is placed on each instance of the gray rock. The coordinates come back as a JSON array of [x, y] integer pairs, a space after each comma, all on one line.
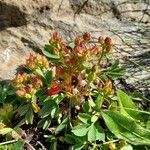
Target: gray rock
[[25, 26]]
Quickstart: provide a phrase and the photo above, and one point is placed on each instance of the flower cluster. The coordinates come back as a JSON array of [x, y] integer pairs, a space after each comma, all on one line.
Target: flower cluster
[[37, 61], [77, 68], [27, 85]]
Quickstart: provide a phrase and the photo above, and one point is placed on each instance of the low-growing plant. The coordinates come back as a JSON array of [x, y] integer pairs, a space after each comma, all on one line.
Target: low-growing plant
[[69, 93]]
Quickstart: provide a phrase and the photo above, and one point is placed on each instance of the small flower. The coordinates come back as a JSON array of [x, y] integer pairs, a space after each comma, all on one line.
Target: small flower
[[29, 88], [86, 36], [36, 82], [21, 92], [81, 49], [78, 49], [37, 61], [77, 41], [101, 40], [59, 71], [56, 41], [108, 43], [26, 90], [20, 78], [30, 62], [56, 37], [73, 61], [94, 48]]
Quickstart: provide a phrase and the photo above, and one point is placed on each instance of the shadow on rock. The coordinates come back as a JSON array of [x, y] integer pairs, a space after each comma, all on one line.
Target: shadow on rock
[[31, 45], [11, 16]]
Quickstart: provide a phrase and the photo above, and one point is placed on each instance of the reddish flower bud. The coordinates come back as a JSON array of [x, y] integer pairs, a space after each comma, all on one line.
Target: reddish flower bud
[[59, 70], [68, 49], [77, 41], [37, 82], [55, 89], [86, 36], [56, 37], [20, 78], [94, 48], [37, 61], [83, 46], [21, 92], [108, 41], [73, 61], [78, 49], [101, 40], [29, 88]]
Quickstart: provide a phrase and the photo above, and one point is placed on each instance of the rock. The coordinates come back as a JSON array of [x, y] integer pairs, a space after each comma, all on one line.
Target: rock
[[25, 27]]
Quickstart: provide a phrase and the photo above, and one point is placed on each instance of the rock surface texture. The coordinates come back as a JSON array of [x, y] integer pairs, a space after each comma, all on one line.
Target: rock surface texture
[[26, 25]]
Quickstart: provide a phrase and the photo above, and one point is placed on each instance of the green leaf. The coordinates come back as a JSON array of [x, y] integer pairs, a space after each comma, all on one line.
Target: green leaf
[[48, 48], [70, 139], [99, 101], [49, 52], [115, 71], [126, 128], [29, 116], [45, 111], [12, 146], [44, 122], [19, 145], [22, 110], [53, 145], [62, 126], [39, 72], [72, 45], [94, 118], [4, 131], [47, 123], [41, 93], [85, 118], [92, 133], [127, 147], [80, 130], [49, 76], [100, 134], [53, 112], [91, 103], [86, 107], [59, 98], [125, 100], [78, 147], [49, 55], [48, 108], [127, 106]]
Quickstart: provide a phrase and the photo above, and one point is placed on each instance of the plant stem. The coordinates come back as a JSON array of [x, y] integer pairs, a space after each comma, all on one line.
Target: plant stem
[[8, 142], [113, 141], [31, 147]]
